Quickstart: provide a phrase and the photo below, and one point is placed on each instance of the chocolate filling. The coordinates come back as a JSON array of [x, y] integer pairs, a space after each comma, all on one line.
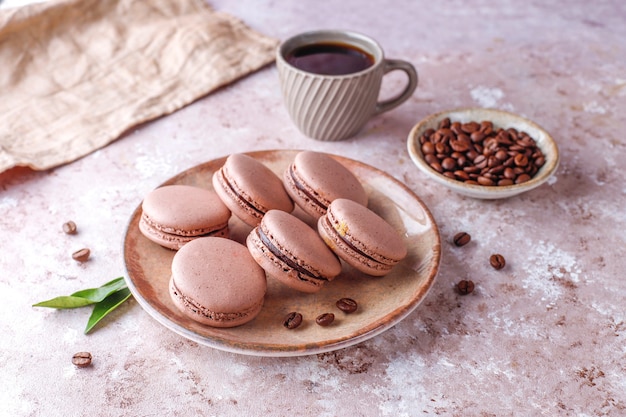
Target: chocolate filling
[[348, 244], [239, 196], [304, 191], [290, 263]]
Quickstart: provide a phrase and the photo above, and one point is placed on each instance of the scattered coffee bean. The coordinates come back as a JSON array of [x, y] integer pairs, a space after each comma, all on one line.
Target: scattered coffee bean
[[81, 359], [465, 287], [81, 255], [497, 261], [347, 305], [69, 228], [292, 320], [462, 239], [325, 319], [478, 153]]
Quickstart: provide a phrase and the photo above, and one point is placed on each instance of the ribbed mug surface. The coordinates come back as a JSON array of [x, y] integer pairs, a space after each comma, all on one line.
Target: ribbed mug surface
[[330, 108]]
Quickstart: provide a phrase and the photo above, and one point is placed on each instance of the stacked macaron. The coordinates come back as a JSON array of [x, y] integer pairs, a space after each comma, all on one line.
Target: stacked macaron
[[220, 282], [314, 180], [361, 237], [292, 252], [250, 189]]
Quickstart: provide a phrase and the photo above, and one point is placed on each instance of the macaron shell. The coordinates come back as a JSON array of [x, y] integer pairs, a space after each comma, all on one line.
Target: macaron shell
[[298, 242], [324, 179], [175, 214], [216, 281], [361, 238], [172, 240], [250, 189]]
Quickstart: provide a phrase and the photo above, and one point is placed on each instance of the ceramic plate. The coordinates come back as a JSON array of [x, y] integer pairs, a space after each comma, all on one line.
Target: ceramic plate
[[383, 302]]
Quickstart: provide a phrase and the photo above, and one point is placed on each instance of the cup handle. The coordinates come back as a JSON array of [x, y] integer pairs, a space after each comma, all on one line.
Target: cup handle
[[409, 69]]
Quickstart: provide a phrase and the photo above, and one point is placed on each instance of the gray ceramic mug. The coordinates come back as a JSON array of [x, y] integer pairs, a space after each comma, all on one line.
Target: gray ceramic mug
[[335, 107]]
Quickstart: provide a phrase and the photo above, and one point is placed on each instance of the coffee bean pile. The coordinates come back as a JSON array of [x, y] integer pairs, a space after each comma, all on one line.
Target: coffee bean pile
[[479, 153]]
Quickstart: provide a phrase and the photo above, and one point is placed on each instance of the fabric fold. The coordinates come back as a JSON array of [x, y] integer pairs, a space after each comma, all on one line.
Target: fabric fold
[[77, 74]]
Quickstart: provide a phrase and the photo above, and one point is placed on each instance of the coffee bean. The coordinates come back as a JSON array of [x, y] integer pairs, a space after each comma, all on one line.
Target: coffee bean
[[497, 261], [437, 167], [501, 155], [508, 156], [441, 148], [461, 239], [461, 175], [347, 305], [69, 227], [459, 145], [470, 127], [520, 160], [82, 359], [81, 255], [292, 320], [448, 164], [477, 136], [465, 287], [456, 128], [428, 148], [539, 160], [325, 319]]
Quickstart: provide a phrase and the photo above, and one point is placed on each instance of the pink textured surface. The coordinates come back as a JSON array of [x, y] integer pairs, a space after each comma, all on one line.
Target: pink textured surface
[[544, 336]]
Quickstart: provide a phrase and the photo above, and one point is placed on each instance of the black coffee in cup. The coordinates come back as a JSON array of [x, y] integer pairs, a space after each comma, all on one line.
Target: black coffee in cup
[[330, 58]]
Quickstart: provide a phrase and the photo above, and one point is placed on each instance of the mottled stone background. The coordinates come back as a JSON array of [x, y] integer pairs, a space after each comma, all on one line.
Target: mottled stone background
[[544, 336]]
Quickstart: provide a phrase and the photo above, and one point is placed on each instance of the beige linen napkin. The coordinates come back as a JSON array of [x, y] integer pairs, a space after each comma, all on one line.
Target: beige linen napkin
[[76, 74]]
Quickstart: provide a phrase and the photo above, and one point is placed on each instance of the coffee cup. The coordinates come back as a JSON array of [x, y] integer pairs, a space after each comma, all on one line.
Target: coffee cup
[[331, 80]]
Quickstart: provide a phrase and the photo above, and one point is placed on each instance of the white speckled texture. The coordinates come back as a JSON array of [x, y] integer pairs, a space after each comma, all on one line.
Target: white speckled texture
[[544, 336]]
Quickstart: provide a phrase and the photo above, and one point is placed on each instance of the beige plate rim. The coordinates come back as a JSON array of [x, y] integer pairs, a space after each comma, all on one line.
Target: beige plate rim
[[383, 302]]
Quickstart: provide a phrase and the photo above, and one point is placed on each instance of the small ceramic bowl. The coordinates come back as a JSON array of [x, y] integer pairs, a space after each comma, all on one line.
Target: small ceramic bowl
[[499, 118]]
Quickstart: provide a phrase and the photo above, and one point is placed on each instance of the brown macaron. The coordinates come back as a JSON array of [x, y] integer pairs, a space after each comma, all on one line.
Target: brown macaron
[[250, 189], [292, 252], [314, 180], [215, 281], [361, 237], [174, 215]]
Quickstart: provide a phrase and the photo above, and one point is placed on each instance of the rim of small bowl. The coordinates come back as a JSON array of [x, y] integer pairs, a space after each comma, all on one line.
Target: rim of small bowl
[[500, 118]]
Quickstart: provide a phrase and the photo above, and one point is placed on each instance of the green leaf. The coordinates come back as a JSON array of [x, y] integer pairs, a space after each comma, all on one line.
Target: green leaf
[[85, 297], [95, 295], [64, 301], [104, 307]]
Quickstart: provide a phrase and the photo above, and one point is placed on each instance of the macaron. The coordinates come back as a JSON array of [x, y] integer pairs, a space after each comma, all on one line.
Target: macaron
[[361, 238], [216, 282], [292, 252], [250, 189], [174, 215], [314, 180]]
